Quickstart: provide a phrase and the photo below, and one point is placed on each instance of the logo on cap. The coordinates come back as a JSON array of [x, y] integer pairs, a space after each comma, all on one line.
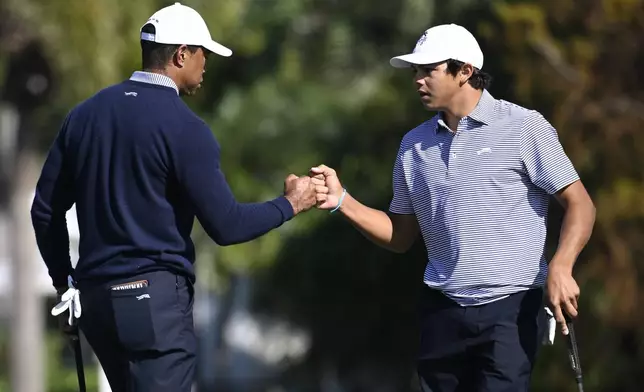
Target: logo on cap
[[420, 41]]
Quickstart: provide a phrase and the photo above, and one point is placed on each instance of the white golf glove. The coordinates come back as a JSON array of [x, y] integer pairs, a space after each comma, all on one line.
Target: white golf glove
[[549, 338], [69, 300]]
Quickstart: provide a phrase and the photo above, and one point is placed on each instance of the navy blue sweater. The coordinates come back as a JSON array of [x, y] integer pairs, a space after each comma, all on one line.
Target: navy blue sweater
[[140, 166]]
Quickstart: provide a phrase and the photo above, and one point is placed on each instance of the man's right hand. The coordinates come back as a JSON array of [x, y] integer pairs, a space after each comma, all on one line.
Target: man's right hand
[[396, 232], [300, 192], [70, 331], [331, 199]]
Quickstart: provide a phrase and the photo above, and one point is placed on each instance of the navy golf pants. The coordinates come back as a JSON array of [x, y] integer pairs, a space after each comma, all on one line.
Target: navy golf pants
[[484, 348], [143, 336]]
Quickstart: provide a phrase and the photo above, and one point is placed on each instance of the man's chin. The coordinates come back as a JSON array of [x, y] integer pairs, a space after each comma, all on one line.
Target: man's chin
[[189, 91], [428, 106]]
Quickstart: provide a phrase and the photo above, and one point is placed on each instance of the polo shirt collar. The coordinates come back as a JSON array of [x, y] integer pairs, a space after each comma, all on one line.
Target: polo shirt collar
[[154, 78], [484, 110], [482, 113]]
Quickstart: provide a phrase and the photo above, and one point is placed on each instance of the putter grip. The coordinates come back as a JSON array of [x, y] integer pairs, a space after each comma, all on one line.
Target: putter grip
[[573, 353]]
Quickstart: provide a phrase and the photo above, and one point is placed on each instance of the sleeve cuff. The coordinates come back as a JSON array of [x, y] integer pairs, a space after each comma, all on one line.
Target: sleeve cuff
[[285, 208], [395, 208], [563, 183], [59, 282], [59, 278]]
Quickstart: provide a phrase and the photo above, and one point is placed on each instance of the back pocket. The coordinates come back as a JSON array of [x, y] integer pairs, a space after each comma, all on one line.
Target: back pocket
[[133, 318]]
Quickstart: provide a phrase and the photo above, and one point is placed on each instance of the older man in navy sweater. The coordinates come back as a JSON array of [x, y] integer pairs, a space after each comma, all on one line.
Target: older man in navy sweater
[[140, 166]]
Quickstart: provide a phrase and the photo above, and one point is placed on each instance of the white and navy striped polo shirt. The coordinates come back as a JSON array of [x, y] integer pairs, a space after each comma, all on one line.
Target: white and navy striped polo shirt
[[481, 196]]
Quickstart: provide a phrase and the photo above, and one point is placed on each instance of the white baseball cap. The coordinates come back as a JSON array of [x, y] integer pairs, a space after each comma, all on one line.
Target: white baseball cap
[[178, 24], [441, 43]]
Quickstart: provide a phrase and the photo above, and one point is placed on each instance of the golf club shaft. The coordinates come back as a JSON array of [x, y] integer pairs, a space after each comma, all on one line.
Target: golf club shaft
[[580, 386], [80, 370]]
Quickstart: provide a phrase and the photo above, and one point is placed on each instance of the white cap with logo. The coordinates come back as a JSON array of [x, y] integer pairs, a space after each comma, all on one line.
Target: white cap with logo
[[441, 43], [178, 24]]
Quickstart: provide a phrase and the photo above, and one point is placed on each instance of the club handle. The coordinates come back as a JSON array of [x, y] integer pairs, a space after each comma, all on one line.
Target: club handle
[[573, 352]]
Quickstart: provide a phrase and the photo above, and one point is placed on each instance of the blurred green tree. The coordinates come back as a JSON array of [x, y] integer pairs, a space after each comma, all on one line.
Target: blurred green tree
[[310, 83]]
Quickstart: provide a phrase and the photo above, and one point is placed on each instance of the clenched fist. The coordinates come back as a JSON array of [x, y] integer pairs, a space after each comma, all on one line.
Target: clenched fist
[[328, 187]]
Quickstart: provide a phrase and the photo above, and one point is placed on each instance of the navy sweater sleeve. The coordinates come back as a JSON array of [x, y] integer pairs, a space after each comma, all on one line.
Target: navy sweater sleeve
[[53, 198], [226, 221]]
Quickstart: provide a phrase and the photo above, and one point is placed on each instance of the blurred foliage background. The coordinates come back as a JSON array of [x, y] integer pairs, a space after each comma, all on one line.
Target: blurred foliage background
[[309, 82]]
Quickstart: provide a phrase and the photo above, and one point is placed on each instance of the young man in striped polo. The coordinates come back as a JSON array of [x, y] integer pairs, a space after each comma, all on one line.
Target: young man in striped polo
[[475, 181]]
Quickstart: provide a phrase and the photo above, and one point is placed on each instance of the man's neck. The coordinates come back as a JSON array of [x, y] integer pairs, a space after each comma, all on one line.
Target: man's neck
[[154, 70], [462, 105], [163, 72]]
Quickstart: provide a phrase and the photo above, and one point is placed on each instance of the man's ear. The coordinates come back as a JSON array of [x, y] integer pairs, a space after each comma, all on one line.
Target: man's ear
[[180, 56], [465, 73]]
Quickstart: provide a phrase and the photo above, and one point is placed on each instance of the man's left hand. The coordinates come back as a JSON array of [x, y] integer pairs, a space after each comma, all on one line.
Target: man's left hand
[[563, 293]]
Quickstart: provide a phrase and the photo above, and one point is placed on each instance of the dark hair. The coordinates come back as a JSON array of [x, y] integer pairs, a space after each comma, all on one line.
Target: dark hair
[[155, 55], [479, 79]]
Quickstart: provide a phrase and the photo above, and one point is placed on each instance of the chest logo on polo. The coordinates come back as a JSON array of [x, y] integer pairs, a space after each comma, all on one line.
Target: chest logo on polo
[[485, 150]]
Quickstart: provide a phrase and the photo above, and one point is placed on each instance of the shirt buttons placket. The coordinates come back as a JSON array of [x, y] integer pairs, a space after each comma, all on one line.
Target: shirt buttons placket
[[452, 155], [456, 146]]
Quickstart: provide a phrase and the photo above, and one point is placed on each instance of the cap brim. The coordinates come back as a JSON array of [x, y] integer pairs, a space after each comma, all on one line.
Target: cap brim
[[218, 48], [407, 60]]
